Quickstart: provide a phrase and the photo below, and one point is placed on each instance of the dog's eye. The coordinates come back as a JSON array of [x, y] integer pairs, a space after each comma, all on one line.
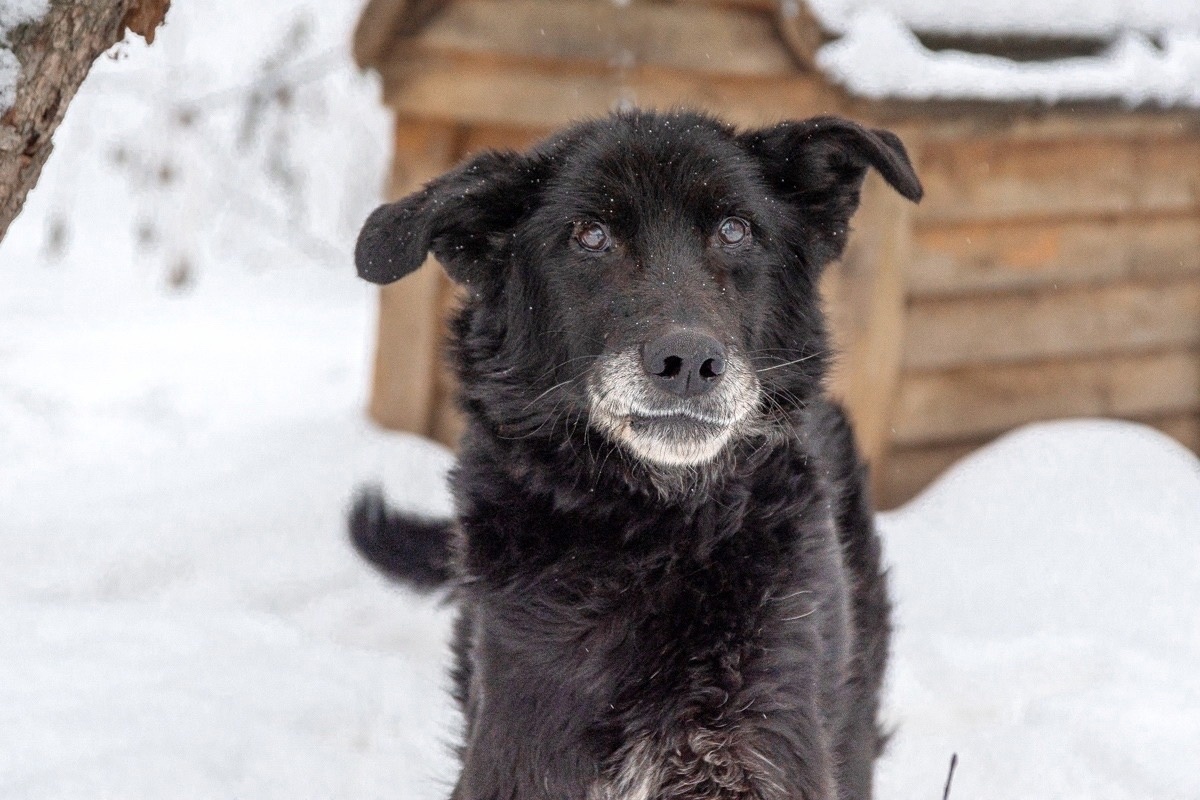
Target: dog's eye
[[592, 236], [733, 231]]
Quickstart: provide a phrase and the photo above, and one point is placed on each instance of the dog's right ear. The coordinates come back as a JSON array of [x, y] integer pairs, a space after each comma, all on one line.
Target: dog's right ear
[[460, 216]]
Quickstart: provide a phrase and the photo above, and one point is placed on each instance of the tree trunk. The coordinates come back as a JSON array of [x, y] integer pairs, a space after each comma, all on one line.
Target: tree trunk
[[56, 53]]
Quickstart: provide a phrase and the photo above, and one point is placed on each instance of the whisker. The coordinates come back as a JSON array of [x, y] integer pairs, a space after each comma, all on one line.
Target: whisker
[[551, 389], [789, 363], [560, 365]]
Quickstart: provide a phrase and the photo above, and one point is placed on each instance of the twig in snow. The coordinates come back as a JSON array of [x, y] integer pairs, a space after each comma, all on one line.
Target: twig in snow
[[950, 777]]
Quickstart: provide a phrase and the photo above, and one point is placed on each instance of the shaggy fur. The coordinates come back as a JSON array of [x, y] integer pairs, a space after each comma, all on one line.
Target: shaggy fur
[[668, 591]]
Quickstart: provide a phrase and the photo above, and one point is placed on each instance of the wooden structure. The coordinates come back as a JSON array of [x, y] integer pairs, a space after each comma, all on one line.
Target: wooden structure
[[1053, 269]]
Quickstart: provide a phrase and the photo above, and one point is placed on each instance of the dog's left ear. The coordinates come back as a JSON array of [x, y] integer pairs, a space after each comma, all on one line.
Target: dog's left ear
[[819, 165], [460, 216]]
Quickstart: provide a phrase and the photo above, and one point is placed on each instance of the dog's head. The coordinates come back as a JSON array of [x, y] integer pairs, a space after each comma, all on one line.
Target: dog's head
[[652, 275]]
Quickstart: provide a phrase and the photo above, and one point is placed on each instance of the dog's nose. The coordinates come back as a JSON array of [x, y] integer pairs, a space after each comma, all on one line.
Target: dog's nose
[[684, 362]]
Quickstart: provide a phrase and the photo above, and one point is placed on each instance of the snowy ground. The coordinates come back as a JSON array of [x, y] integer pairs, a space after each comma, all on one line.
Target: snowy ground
[[181, 617]]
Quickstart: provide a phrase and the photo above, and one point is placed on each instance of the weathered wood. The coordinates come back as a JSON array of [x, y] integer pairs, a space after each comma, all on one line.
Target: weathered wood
[[757, 5], [910, 470], [1032, 122], [698, 38], [865, 299], [383, 24], [1070, 179], [983, 256], [972, 402], [1183, 428], [1033, 326], [478, 92], [410, 314], [55, 54], [447, 423], [801, 32], [500, 137]]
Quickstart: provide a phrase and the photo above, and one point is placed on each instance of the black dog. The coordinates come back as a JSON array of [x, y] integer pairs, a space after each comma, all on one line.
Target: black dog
[[664, 554]]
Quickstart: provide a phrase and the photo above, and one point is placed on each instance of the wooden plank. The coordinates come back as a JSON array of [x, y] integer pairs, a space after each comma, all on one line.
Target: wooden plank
[[909, 470], [1183, 428], [447, 422], [376, 29], [699, 38], [406, 350], [865, 297], [478, 92], [972, 402], [422, 150], [978, 256], [1032, 122], [997, 179], [757, 5], [1080, 321], [501, 137], [801, 32]]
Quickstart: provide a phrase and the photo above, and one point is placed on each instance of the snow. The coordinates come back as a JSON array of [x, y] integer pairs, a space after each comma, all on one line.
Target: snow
[[1067, 18], [19, 12], [879, 57], [12, 14], [1046, 603], [180, 615]]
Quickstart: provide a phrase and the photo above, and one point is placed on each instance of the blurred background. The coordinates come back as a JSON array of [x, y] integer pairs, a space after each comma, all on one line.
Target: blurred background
[[192, 380]]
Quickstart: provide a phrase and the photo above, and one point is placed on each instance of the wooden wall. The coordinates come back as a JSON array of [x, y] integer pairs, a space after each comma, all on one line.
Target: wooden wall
[[1055, 273]]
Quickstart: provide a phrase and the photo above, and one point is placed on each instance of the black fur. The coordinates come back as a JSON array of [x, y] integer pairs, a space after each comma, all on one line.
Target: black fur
[[401, 545], [634, 628]]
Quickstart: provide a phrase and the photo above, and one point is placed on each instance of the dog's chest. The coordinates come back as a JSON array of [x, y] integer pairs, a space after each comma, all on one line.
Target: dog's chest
[[686, 658], [692, 664]]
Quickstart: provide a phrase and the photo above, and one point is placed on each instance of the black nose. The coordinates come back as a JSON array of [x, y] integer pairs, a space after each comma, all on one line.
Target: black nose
[[684, 362]]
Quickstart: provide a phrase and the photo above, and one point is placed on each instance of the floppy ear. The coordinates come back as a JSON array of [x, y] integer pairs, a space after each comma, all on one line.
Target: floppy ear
[[819, 164], [459, 216]]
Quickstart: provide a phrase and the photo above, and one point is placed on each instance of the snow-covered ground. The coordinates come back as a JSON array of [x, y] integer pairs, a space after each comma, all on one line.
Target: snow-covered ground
[[181, 617]]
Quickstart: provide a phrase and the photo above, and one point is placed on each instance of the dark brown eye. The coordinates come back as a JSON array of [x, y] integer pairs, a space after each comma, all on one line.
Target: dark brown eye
[[733, 231], [592, 236]]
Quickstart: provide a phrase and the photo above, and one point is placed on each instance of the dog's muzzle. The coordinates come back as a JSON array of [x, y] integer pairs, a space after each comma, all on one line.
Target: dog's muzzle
[[675, 403]]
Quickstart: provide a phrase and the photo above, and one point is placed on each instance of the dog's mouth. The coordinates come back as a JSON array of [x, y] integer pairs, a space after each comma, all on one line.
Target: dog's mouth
[[671, 438], [676, 423]]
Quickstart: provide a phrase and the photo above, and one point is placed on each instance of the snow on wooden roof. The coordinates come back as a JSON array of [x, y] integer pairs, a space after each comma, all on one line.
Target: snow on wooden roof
[[1134, 52], [878, 56], [1033, 18]]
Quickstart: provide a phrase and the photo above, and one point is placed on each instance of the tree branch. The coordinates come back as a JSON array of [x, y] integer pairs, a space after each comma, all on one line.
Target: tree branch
[[55, 54]]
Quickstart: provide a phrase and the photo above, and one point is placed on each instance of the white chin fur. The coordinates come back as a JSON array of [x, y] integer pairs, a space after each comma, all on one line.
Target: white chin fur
[[672, 452]]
